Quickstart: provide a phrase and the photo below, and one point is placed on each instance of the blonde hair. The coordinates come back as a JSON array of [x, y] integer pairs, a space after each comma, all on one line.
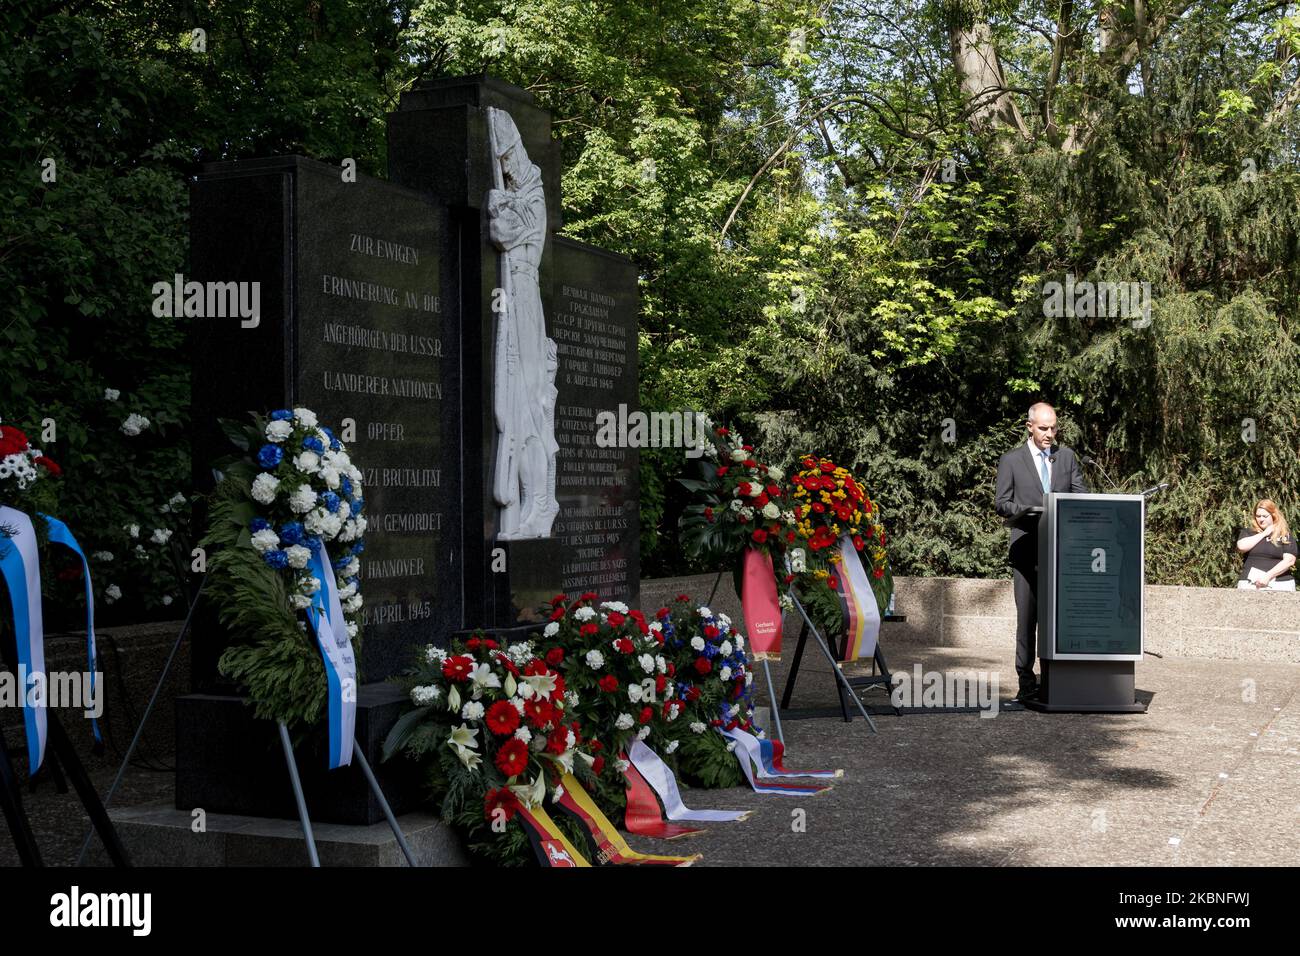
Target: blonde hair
[[1280, 531]]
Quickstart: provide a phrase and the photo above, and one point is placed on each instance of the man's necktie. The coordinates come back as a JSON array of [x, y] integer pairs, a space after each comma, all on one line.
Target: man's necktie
[[1042, 464]]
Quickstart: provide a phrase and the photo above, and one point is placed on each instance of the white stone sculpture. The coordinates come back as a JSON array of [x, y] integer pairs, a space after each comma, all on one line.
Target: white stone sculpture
[[524, 394]]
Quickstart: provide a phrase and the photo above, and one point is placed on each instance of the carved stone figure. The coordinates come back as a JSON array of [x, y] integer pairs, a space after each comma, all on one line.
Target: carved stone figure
[[526, 360]]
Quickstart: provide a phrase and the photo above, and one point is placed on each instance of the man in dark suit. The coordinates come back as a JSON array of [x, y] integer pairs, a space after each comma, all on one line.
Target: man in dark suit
[[1025, 475]]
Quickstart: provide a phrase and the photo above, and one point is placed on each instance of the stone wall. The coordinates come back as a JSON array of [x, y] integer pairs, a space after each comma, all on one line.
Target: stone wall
[[1217, 623]]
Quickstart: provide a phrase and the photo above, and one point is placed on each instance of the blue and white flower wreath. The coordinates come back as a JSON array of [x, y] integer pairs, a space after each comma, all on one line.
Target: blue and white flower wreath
[[311, 494]]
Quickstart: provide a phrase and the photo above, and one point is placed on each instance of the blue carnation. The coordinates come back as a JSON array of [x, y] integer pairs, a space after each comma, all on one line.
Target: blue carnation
[[312, 443], [335, 444], [358, 547], [329, 500], [281, 415], [276, 559], [292, 533], [313, 544], [270, 456], [258, 524], [345, 486]]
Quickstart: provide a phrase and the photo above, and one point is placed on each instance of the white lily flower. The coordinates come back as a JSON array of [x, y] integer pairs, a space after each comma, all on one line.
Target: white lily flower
[[481, 678], [543, 685]]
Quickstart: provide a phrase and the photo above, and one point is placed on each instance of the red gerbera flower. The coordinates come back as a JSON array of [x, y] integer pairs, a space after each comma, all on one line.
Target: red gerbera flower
[[457, 668], [502, 800], [558, 741], [502, 718], [512, 757], [539, 712]]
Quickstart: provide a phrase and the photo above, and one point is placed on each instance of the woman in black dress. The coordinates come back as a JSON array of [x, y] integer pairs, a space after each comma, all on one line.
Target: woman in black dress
[[1269, 551]]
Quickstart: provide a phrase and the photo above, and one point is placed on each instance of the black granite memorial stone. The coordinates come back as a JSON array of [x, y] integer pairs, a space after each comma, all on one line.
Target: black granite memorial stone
[[594, 324], [360, 323], [504, 580], [376, 311]]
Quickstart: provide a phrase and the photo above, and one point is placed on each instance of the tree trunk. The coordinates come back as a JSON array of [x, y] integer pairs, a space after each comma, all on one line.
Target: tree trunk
[[983, 84]]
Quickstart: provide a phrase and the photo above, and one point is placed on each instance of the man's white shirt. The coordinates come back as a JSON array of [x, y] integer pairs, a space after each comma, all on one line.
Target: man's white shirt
[[1038, 459]]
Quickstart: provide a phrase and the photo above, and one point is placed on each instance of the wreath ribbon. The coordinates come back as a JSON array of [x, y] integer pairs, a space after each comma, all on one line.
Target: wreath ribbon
[[21, 567], [326, 617]]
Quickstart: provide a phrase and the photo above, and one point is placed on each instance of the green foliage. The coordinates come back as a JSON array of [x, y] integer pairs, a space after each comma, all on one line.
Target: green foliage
[[273, 657], [833, 252]]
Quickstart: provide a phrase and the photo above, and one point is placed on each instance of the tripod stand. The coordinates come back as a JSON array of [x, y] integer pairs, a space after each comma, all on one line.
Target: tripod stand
[[61, 752]]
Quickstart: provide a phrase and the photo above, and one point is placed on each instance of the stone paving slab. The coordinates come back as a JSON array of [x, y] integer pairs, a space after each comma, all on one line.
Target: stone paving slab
[[1032, 789], [1018, 789]]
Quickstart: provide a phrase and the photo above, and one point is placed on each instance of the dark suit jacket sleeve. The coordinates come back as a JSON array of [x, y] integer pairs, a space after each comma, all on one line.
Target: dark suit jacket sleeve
[[1077, 485], [1005, 489]]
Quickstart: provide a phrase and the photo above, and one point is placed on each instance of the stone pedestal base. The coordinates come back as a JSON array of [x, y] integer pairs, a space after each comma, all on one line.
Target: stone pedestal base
[[229, 762], [159, 835]]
